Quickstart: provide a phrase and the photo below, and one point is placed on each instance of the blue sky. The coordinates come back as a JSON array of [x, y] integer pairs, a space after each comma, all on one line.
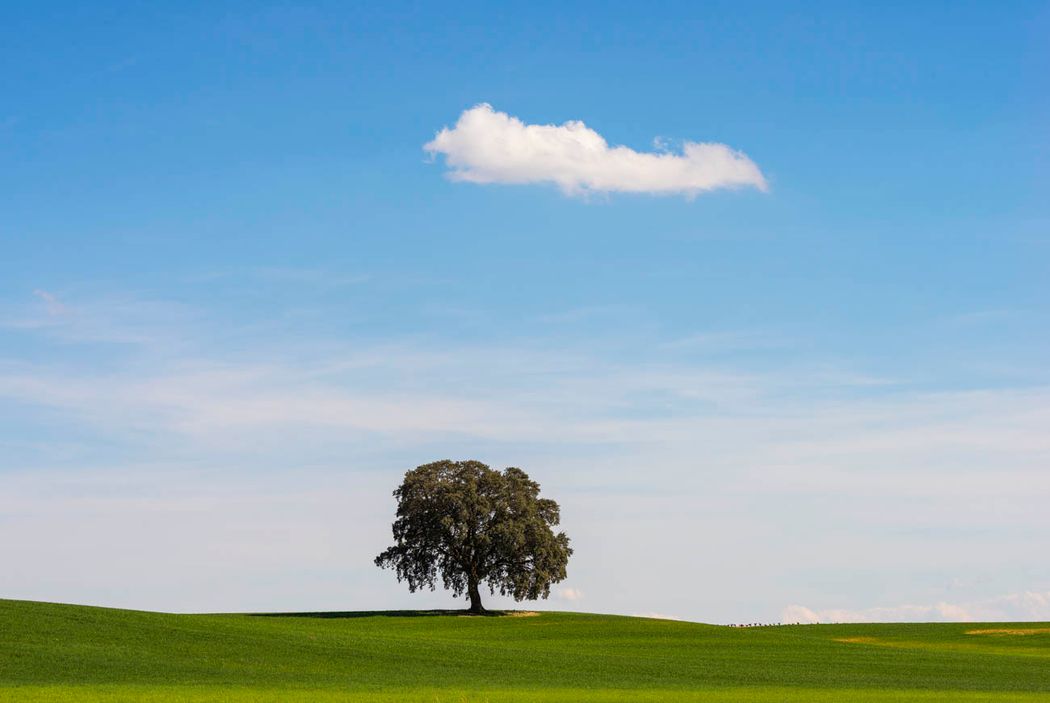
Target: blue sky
[[238, 299]]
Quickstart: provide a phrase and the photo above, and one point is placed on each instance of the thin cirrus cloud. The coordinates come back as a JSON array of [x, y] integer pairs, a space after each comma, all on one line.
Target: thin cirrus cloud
[[487, 146], [186, 415], [1012, 607]]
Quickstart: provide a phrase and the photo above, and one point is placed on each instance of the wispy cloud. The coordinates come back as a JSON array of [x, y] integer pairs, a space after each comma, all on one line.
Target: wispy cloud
[[826, 422], [51, 302], [108, 319], [656, 616], [487, 146], [315, 277], [646, 451], [1012, 607], [726, 341]]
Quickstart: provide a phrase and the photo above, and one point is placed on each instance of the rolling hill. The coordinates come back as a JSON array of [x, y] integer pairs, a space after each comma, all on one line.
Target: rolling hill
[[53, 653]]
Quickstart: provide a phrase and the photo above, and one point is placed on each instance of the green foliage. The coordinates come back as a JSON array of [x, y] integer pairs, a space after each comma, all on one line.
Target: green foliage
[[467, 524], [66, 653]]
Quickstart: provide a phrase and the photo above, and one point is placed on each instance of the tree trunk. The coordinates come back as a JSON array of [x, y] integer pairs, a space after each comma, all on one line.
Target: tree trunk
[[475, 598]]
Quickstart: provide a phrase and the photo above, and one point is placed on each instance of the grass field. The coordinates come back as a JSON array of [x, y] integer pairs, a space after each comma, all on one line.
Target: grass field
[[58, 653]]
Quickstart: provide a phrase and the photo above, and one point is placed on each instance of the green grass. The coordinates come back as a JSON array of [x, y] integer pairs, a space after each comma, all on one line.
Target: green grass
[[64, 653]]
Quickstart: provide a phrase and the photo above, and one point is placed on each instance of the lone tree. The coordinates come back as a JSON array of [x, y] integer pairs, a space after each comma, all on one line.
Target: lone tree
[[472, 525]]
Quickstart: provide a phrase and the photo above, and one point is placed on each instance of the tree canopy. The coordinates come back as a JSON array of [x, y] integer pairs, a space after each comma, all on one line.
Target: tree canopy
[[469, 525]]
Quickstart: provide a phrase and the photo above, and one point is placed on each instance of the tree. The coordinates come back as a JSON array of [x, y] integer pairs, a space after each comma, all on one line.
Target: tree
[[472, 525]]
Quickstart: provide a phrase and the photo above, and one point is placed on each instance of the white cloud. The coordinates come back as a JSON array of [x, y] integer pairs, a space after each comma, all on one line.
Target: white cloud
[[487, 146], [656, 616], [1013, 607], [570, 594], [799, 613]]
